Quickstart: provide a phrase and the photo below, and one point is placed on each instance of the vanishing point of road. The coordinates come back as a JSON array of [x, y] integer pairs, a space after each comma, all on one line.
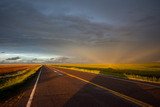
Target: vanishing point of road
[[57, 87]]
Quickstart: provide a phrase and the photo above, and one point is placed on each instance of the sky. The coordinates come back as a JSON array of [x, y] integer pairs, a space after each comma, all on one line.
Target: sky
[[79, 31]]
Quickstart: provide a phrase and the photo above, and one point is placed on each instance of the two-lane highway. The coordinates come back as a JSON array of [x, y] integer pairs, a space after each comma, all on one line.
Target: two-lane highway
[[55, 87]]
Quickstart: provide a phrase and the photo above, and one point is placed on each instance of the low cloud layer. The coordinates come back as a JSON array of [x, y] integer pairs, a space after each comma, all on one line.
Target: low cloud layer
[[104, 31], [13, 58]]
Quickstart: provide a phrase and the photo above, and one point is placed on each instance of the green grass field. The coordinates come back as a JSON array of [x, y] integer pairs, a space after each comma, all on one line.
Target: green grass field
[[143, 72]]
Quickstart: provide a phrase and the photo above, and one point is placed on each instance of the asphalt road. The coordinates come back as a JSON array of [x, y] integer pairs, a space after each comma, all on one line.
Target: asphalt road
[[57, 87]]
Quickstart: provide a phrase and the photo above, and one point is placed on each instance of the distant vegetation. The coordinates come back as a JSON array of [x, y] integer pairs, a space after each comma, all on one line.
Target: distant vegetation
[[144, 72], [12, 68]]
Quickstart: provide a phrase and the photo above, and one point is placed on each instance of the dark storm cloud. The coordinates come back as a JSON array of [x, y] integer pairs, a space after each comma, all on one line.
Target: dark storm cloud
[[62, 27], [13, 58], [35, 59], [52, 58], [60, 60]]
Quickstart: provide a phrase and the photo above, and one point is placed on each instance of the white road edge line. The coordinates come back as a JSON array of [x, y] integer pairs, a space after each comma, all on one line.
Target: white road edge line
[[137, 82], [33, 90]]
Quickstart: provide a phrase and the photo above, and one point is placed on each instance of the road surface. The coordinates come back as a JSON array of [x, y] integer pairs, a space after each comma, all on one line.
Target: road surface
[[57, 87]]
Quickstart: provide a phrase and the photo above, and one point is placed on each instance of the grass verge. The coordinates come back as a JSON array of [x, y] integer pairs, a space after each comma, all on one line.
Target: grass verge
[[141, 72], [11, 82]]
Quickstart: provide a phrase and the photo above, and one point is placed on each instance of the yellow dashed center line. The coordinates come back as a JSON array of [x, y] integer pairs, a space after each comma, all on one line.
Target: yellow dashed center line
[[133, 100]]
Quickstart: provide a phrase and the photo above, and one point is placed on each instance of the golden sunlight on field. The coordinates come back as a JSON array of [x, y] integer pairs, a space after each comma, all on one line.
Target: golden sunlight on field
[[11, 68], [144, 72]]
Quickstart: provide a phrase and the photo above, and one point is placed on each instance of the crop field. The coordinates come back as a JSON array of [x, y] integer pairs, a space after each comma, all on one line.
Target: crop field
[[143, 72], [12, 75], [12, 68]]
